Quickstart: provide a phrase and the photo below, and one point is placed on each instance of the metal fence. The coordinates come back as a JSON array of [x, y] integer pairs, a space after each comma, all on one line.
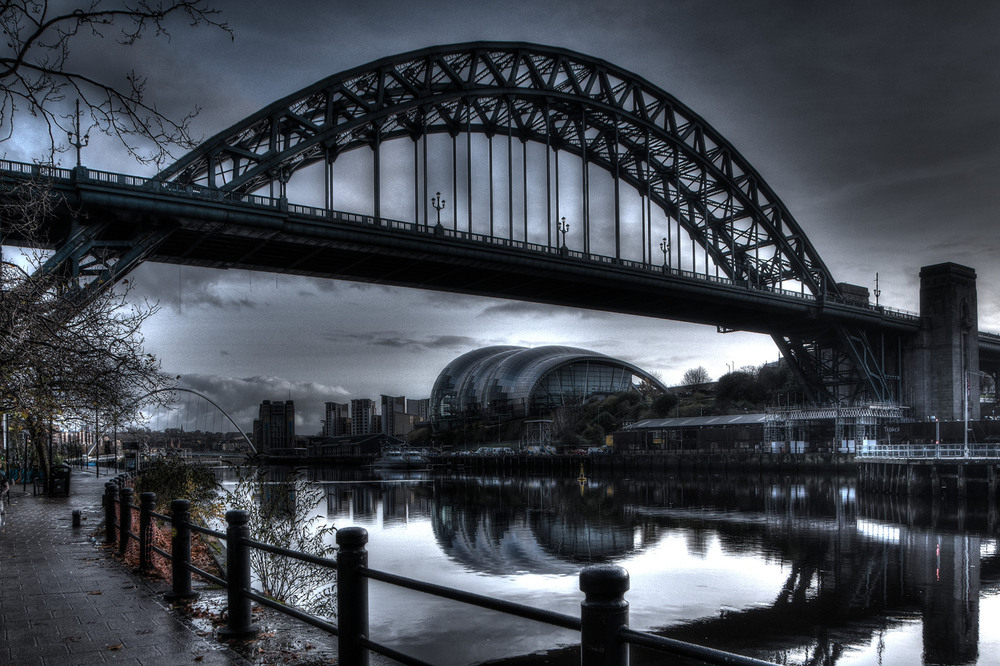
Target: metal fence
[[951, 451], [605, 636]]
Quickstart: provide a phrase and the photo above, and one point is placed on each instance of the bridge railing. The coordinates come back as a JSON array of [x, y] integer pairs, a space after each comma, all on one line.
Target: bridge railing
[[949, 451], [35, 170], [215, 194]]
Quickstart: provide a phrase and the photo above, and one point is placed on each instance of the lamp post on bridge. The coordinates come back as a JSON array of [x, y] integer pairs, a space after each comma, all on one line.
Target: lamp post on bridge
[[74, 137], [665, 249], [439, 205], [562, 227]]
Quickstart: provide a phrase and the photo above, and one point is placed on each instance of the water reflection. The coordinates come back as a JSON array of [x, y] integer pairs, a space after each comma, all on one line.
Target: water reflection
[[794, 570]]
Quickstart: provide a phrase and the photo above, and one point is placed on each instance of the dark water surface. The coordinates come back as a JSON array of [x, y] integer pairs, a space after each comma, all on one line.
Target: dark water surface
[[796, 570]]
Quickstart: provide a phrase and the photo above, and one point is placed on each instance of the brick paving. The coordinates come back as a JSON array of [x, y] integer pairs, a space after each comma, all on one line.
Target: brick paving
[[63, 602]]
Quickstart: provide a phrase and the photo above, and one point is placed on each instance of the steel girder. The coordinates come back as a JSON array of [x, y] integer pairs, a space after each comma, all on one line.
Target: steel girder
[[569, 102], [89, 261], [839, 369]]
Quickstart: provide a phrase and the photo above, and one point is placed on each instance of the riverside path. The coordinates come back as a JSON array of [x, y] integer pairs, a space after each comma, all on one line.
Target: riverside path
[[63, 602]]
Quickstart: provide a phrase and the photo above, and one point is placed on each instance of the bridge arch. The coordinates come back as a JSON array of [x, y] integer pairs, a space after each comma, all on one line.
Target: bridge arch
[[174, 389], [571, 103]]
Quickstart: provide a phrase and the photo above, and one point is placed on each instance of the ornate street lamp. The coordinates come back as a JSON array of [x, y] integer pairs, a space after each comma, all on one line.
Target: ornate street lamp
[[438, 204], [665, 249], [562, 226], [75, 139]]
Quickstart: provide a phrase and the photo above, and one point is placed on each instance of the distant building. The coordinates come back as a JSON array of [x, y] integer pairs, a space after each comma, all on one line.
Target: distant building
[[275, 426], [391, 406], [420, 409], [338, 419], [363, 418]]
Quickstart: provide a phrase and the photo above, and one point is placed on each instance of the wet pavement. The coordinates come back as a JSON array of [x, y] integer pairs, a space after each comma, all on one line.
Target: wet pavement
[[63, 601]]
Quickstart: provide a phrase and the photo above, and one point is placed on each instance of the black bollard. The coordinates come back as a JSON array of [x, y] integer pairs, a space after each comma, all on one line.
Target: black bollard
[[76, 517], [240, 624], [147, 502], [603, 614], [180, 552], [110, 490], [352, 595], [124, 519]]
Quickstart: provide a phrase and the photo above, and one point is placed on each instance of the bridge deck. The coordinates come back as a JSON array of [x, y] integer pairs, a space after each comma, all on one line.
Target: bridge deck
[[213, 228]]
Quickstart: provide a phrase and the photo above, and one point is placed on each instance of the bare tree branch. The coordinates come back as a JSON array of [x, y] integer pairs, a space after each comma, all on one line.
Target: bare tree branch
[[36, 79]]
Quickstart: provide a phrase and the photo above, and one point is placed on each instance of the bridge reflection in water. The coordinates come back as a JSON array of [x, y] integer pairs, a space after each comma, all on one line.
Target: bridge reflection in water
[[796, 570]]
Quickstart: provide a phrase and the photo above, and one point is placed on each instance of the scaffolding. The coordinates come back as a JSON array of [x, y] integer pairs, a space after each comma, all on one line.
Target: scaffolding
[[854, 426], [538, 433]]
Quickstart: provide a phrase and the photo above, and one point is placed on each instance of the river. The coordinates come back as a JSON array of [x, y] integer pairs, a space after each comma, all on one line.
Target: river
[[790, 569]]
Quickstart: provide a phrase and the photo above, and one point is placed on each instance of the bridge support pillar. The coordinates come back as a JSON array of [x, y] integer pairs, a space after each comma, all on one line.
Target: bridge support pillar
[[942, 361]]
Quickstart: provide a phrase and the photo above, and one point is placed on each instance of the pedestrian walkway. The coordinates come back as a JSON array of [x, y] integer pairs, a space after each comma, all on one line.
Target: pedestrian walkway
[[64, 602]]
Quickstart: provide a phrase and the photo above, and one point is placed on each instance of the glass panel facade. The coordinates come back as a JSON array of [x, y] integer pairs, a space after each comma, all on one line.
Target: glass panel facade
[[516, 381]]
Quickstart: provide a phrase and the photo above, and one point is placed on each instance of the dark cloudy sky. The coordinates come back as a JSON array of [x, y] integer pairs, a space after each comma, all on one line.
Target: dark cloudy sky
[[876, 122]]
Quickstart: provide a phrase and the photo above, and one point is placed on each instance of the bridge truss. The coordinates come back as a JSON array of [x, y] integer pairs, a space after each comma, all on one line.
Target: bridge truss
[[491, 110]]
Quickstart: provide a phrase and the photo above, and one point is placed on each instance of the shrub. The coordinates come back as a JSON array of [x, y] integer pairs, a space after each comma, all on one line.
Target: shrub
[[171, 477], [283, 513]]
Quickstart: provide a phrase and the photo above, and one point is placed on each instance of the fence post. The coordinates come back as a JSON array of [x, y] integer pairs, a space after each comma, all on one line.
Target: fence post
[[110, 489], [147, 502], [240, 624], [124, 518], [180, 551], [352, 596], [603, 613]]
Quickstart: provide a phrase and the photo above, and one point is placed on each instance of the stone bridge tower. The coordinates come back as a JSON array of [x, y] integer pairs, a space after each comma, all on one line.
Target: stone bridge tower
[[942, 361]]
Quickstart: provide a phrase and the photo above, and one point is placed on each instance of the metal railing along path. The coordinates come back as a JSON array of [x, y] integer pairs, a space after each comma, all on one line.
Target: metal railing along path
[[603, 623], [950, 451]]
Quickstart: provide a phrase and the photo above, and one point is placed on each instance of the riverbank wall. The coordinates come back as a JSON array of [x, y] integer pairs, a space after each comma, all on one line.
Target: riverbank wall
[[634, 463]]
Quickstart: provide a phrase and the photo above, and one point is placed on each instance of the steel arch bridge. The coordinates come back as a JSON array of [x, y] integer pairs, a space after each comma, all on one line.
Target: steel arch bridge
[[750, 265]]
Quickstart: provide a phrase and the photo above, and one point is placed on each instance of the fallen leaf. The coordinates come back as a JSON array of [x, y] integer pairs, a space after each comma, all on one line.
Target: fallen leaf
[[116, 647], [93, 592]]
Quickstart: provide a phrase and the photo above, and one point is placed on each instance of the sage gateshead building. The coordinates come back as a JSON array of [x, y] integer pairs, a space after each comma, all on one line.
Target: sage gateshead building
[[516, 382]]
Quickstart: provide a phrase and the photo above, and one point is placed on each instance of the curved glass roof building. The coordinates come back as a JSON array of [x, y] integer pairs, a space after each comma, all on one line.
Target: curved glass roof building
[[518, 381]]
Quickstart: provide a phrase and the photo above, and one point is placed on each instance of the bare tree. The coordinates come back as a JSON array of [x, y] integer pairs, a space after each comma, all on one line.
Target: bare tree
[[38, 77], [694, 376], [60, 357]]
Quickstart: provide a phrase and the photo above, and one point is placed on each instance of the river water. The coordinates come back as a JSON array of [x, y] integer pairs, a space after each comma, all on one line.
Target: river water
[[791, 569]]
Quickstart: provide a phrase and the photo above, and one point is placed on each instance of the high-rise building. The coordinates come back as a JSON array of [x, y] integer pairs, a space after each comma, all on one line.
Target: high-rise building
[[391, 406], [338, 419], [275, 426], [419, 408], [363, 418]]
